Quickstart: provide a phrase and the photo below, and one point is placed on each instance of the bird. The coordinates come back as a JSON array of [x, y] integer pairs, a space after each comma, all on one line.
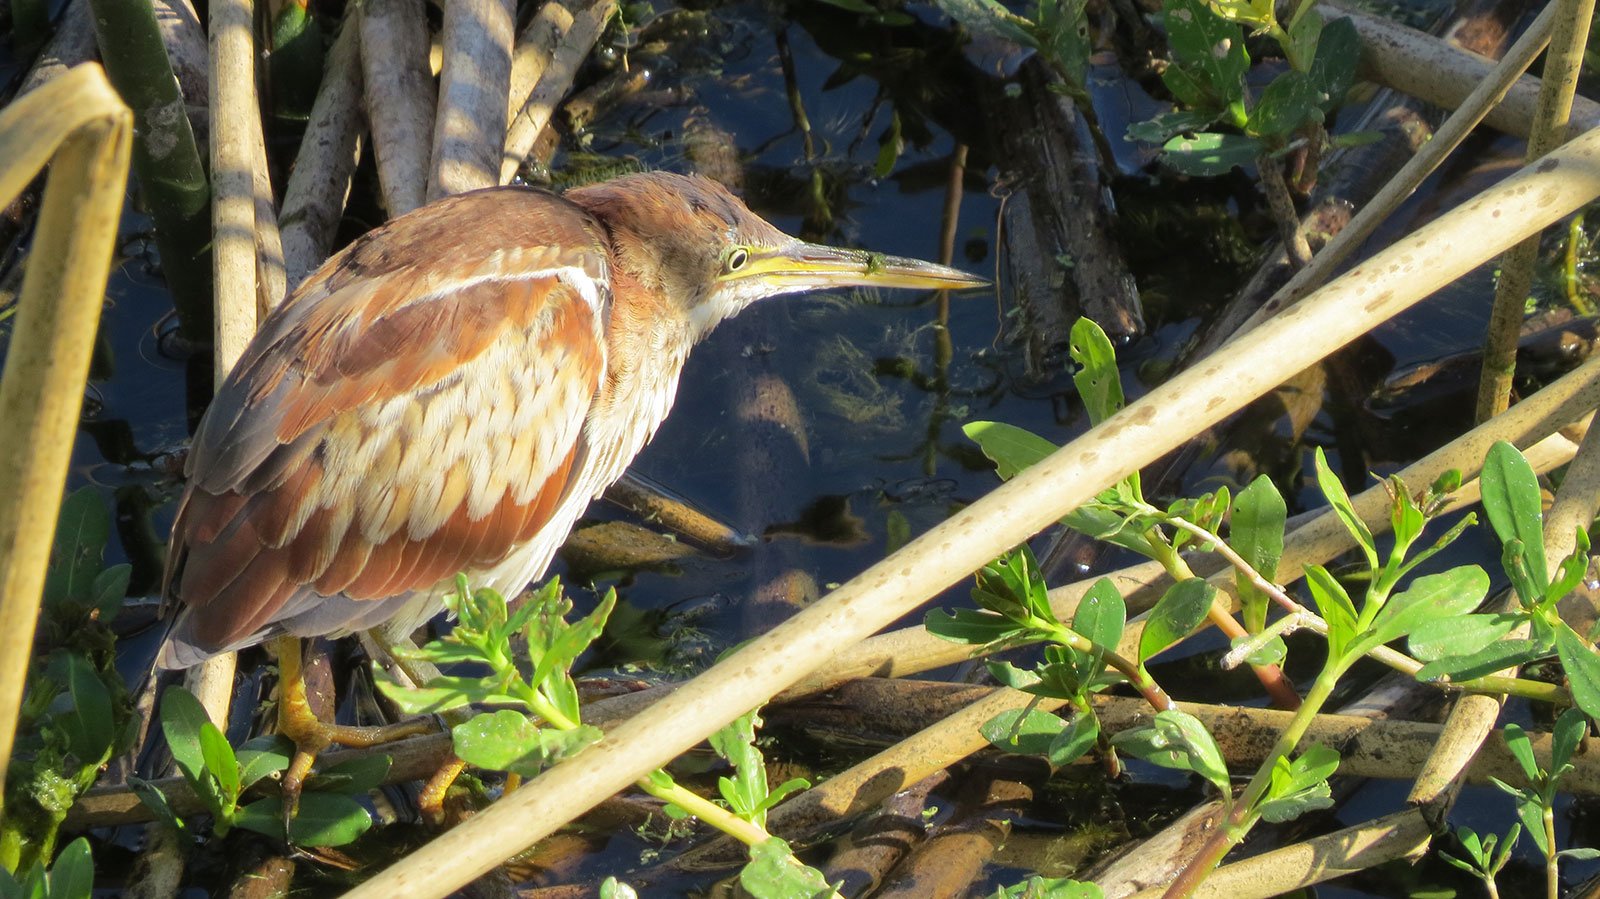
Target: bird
[[447, 395]]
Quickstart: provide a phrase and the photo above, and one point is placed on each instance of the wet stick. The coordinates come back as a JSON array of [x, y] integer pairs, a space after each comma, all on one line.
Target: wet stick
[[1431, 69], [589, 21], [319, 182], [1484, 98], [166, 159], [396, 79], [1396, 279], [470, 124], [1561, 66]]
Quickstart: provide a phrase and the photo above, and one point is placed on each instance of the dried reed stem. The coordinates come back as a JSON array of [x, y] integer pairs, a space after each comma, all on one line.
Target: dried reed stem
[[319, 183], [469, 129], [1432, 70], [80, 126], [397, 80], [588, 21], [1484, 98]]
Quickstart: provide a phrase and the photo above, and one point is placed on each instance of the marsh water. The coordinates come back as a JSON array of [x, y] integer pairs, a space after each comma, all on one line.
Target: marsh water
[[827, 427]]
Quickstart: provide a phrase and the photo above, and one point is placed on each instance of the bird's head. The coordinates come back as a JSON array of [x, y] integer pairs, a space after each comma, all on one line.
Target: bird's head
[[693, 245]]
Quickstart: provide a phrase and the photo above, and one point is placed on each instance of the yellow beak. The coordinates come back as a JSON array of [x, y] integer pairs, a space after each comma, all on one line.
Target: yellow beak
[[808, 266]]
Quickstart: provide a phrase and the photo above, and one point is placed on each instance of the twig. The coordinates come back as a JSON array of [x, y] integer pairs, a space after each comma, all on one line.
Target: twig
[[1399, 835], [470, 125], [320, 180], [171, 177], [1432, 70], [1571, 31], [398, 81], [1484, 97], [589, 21], [233, 215]]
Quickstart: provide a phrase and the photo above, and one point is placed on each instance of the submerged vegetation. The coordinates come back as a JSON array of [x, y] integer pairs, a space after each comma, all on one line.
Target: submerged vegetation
[[1176, 543]]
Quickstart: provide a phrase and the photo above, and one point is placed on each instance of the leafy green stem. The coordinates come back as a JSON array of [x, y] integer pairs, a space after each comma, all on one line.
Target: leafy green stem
[[1244, 811], [1136, 674], [661, 785]]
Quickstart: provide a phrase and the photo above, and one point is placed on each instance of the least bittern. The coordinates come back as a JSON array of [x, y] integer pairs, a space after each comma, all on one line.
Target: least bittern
[[448, 394]]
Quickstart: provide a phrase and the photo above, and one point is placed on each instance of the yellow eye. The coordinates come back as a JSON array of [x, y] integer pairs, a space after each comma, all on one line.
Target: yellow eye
[[737, 259]]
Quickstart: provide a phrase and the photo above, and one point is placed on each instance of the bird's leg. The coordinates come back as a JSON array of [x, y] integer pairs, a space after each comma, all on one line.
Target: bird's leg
[[310, 734], [431, 800]]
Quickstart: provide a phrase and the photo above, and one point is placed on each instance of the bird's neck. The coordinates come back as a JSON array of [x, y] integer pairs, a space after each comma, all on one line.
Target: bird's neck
[[646, 347]]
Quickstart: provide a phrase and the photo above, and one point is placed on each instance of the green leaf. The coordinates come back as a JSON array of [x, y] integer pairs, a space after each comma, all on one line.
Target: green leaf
[[1335, 493], [974, 627], [442, 693], [988, 17], [1289, 102], [156, 801], [1107, 523], [1010, 448], [72, 876], [1256, 534], [1176, 739], [1208, 154], [221, 762], [1179, 611], [1288, 807], [82, 530], [1565, 737], [354, 776], [1334, 604], [1210, 50], [508, 740], [1514, 559], [1062, 27], [182, 716], [1026, 731], [110, 588], [890, 146], [323, 819], [89, 725], [1511, 500], [1037, 887], [1100, 618], [1073, 742], [1532, 815], [1582, 667], [897, 530], [1459, 635], [1486, 661], [735, 742], [1445, 595], [262, 757], [1272, 652], [1099, 383], [774, 873], [1571, 571], [1168, 125], [1522, 750], [1334, 68], [1303, 38]]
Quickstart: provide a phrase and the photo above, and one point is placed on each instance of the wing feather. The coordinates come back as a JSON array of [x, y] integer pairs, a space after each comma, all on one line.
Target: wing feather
[[387, 430]]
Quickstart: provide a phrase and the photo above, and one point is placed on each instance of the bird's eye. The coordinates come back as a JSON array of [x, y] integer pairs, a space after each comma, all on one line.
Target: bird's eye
[[737, 258]]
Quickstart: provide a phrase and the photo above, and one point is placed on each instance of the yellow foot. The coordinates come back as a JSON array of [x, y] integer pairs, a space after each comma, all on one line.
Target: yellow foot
[[431, 800], [310, 734]]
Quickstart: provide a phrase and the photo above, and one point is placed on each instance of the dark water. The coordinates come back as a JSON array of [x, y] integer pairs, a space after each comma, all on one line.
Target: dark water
[[881, 436]]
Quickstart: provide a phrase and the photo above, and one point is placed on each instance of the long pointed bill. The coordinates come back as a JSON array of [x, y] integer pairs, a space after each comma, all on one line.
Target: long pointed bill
[[809, 266]]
